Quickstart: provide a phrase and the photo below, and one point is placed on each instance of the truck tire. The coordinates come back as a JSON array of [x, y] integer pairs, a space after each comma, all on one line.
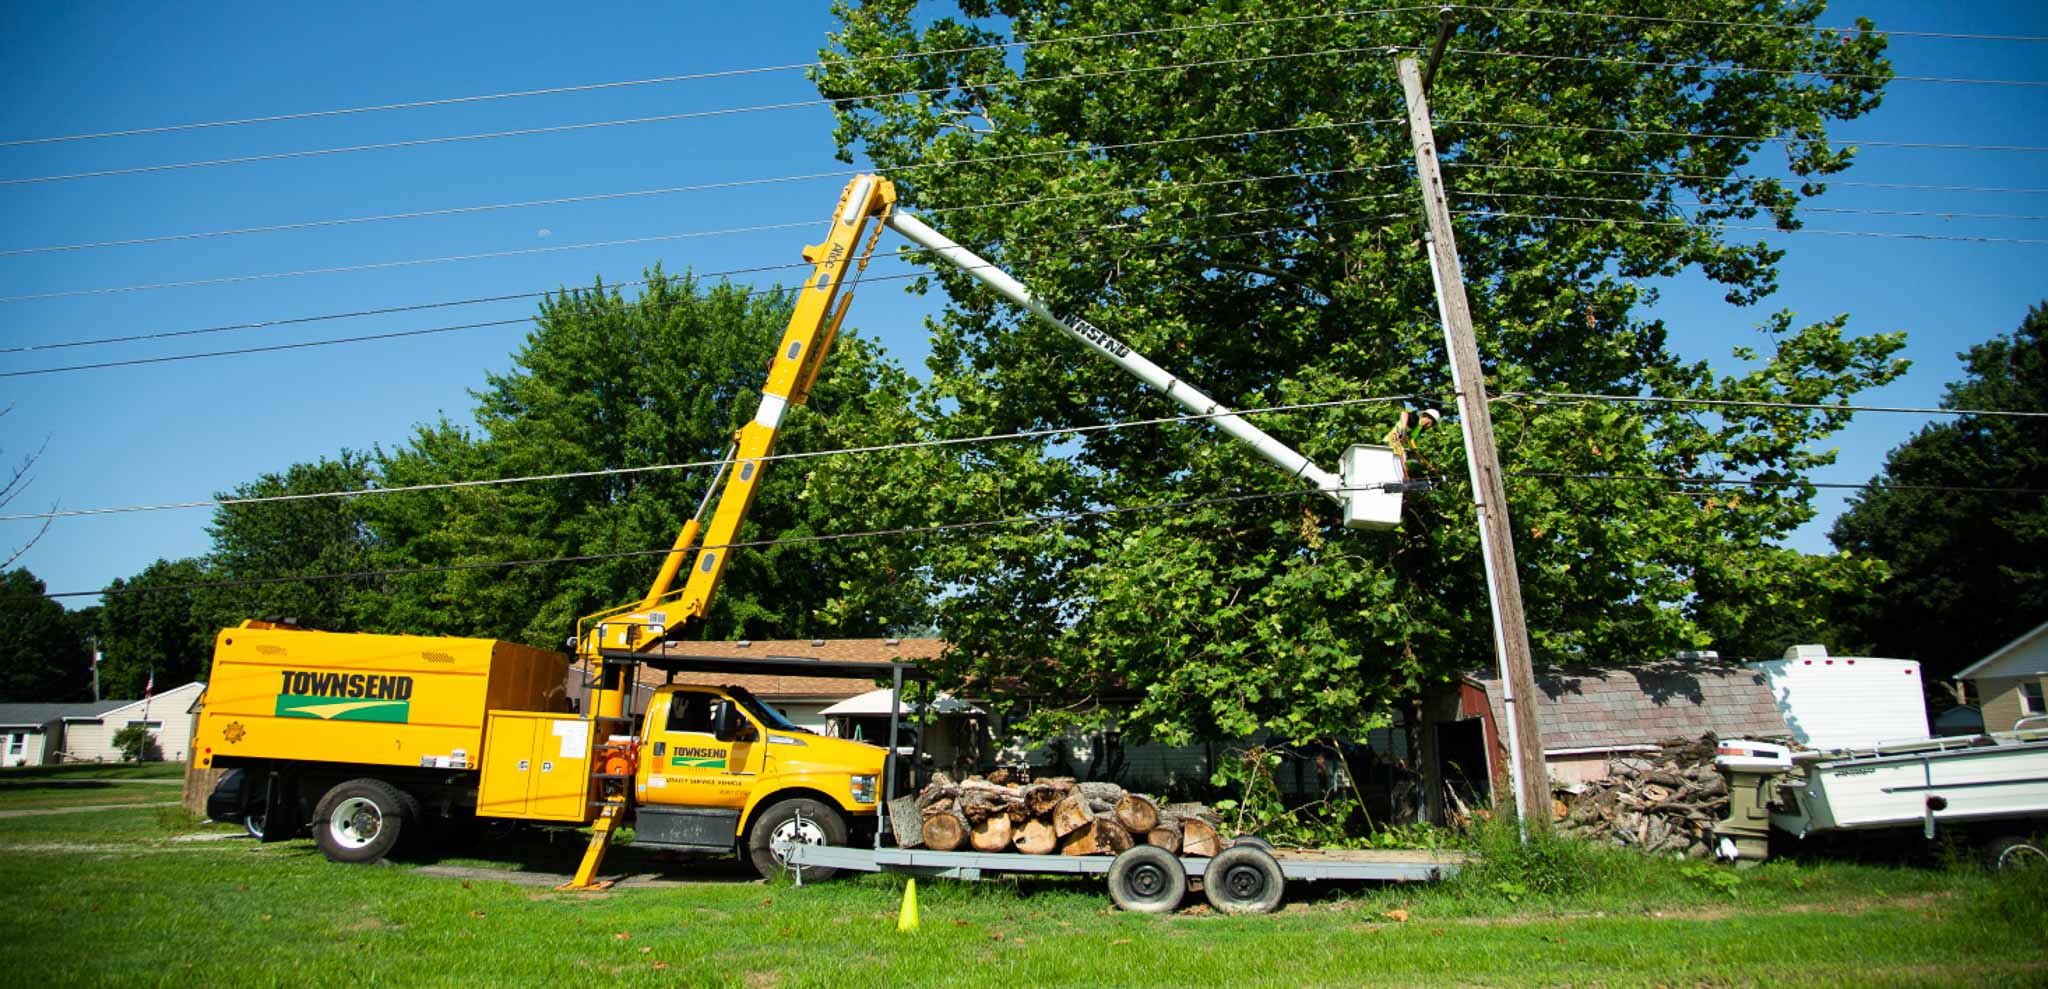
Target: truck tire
[[361, 820], [798, 819], [1244, 879], [2014, 854], [1147, 879]]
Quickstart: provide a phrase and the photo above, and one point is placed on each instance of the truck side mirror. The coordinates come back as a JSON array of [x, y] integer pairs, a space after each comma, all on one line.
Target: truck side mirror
[[731, 726]]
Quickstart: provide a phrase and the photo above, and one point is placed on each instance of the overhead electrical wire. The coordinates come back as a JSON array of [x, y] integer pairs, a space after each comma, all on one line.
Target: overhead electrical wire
[[655, 238], [1024, 434], [1830, 182], [1880, 234], [427, 331], [1749, 25], [1761, 138], [1800, 207], [1000, 46], [1752, 482], [1745, 403], [1732, 68], [1030, 519], [708, 75], [1041, 518], [671, 117]]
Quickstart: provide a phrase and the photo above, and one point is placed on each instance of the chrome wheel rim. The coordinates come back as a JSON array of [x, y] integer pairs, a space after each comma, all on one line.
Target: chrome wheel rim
[[355, 822]]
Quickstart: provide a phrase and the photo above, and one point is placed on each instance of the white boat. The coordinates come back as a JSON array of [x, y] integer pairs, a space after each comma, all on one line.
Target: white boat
[[1994, 785], [1925, 782]]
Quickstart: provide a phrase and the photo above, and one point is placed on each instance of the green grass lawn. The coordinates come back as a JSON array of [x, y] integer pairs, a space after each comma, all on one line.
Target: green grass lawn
[[114, 897], [93, 771]]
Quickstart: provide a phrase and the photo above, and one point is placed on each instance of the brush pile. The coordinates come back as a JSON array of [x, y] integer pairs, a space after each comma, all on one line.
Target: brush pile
[[1664, 802], [1006, 813]]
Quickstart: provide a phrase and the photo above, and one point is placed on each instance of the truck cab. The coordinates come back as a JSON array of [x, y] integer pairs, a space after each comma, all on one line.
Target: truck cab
[[720, 771]]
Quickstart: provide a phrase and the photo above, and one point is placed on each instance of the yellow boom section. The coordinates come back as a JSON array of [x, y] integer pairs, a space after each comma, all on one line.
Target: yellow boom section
[[821, 307]]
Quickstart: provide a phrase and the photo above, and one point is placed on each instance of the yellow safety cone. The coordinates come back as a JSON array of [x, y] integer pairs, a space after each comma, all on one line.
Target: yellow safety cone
[[906, 920]]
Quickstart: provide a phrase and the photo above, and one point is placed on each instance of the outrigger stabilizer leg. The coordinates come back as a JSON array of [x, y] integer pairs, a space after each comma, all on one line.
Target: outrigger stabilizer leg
[[600, 840]]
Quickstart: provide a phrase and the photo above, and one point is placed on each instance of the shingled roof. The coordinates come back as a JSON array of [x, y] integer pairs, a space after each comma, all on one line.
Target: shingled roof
[[1639, 704]]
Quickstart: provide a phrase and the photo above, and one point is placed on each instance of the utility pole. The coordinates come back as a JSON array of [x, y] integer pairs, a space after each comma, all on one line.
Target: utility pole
[[1489, 495]]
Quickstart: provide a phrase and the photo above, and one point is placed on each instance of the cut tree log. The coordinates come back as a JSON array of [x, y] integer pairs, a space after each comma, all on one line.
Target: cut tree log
[[945, 831], [1102, 797], [1198, 837], [993, 834], [1102, 836], [1071, 814], [1137, 813], [1041, 798], [1035, 837], [1167, 835]]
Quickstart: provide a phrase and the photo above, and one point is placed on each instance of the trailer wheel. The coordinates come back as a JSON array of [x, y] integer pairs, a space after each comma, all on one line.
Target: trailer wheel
[[361, 820], [1244, 879], [800, 819], [2015, 854], [1147, 879]]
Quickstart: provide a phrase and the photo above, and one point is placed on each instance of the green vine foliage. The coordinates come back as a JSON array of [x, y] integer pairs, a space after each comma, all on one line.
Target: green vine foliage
[[1236, 201]]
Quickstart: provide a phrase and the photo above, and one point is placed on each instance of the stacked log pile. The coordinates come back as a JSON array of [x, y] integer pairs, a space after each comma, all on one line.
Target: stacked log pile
[[1665, 802], [1048, 816]]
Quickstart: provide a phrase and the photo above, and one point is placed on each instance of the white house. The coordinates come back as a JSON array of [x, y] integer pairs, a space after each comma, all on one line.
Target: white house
[[2012, 683], [90, 738], [33, 734]]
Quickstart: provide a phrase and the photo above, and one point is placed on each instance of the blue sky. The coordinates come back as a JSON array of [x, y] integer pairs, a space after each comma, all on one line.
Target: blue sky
[[181, 432]]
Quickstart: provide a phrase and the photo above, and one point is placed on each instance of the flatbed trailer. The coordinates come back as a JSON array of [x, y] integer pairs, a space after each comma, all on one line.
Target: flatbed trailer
[[1248, 877]]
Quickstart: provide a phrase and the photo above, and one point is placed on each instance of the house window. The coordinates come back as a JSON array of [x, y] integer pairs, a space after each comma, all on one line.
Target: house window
[[2030, 698], [16, 743]]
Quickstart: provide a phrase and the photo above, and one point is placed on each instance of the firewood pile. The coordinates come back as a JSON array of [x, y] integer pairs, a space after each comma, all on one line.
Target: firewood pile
[[1665, 802], [1042, 817]]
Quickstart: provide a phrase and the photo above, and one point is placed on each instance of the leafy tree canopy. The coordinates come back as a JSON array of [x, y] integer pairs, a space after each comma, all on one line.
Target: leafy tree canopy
[[1967, 566], [150, 622], [45, 655], [608, 384], [1237, 200]]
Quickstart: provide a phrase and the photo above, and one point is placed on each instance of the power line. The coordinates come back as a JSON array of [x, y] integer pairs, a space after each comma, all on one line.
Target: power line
[[671, 117], [432, 330], [420, 214], [1739, 403], [1944, 214], [1774, 483], [699, 76], [1727, 179], [1882, 234], [986, 523], [1712, 136], [1025, 434], [912, 168], [1752, 25], [1643, 63]]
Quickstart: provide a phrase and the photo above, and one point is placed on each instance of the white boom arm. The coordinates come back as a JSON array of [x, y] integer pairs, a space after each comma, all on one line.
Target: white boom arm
[[1366, 504]]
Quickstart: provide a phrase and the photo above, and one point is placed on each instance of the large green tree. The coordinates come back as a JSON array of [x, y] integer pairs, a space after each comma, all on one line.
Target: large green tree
[[1969, 566], [606, 384], [44, 656], [275, 528], [1234, 197], [150, 623]]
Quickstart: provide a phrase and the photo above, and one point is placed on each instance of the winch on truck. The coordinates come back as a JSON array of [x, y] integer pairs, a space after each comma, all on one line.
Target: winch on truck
[[366, 738]]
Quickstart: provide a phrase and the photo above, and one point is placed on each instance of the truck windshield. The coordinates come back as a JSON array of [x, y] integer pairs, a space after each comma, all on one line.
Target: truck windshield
[[763, 713]]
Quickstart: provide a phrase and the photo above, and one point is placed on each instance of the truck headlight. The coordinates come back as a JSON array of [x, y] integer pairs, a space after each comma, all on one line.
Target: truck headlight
[[863, 789]]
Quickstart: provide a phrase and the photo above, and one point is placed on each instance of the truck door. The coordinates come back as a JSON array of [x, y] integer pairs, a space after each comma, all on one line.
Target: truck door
[[688, 763]]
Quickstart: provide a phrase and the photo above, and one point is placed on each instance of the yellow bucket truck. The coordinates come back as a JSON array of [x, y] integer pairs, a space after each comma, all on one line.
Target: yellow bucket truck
[[365, 737]]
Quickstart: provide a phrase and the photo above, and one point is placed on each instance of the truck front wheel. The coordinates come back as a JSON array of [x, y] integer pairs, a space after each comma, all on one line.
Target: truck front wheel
[[801, 820], [361, 820]]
